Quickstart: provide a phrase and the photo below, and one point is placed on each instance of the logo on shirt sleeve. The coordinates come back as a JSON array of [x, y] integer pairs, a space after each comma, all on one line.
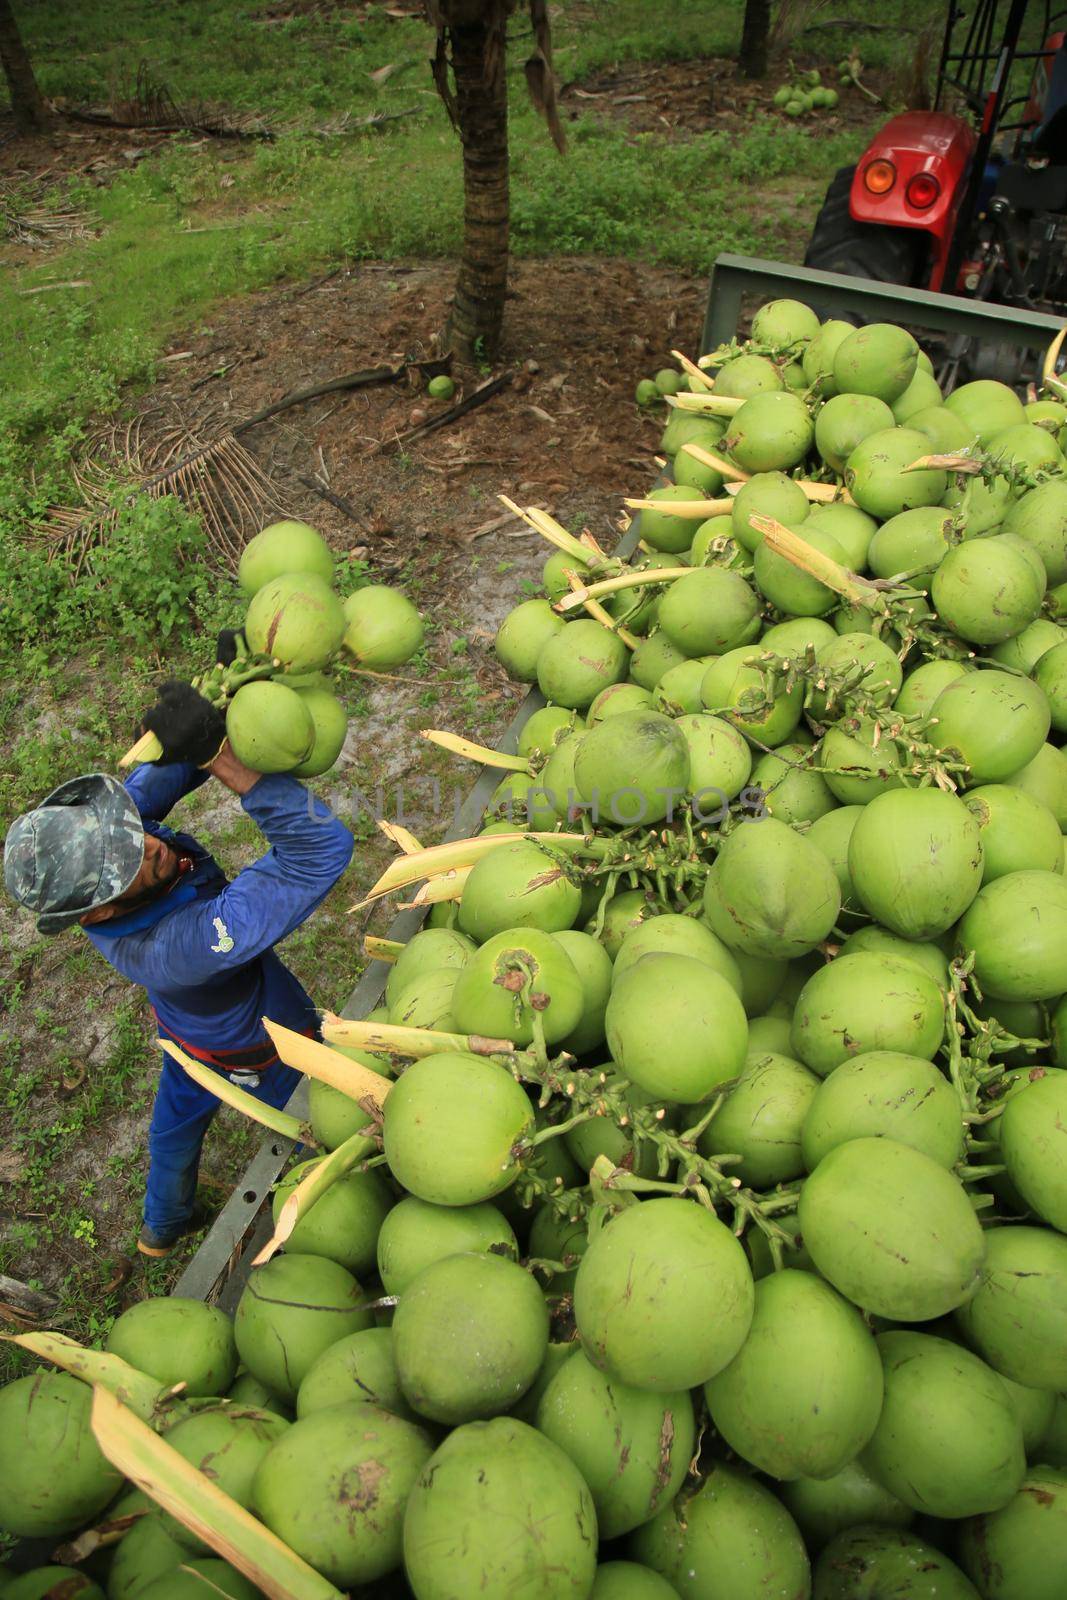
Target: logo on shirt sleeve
[[225, 944]]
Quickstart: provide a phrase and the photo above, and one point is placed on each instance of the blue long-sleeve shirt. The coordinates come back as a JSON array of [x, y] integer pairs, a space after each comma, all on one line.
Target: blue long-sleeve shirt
[[204, 950]]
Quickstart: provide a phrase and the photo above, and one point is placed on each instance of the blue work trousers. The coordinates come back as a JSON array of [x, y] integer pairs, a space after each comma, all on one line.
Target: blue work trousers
[[180, 1119]]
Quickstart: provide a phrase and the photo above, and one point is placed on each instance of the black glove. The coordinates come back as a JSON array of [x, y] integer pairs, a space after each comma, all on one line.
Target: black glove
[[187, 726], [226, 649]]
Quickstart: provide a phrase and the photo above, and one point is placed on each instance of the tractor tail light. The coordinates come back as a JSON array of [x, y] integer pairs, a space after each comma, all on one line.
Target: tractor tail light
[[879, 177], [922, 191]]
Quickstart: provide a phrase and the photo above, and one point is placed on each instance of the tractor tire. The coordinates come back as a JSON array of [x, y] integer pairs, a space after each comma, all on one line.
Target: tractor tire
[[862, 249]]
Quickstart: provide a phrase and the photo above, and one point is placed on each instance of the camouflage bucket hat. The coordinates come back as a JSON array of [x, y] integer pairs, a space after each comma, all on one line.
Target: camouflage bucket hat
[[79, 849]]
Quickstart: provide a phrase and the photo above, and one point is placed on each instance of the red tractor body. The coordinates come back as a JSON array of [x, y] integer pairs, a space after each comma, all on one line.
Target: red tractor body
[[911, 175]]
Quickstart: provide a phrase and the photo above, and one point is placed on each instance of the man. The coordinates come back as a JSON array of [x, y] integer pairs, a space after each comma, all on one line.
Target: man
[[159, 908]]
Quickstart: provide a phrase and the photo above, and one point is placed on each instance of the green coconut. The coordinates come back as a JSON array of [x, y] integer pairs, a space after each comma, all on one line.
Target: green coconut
[[923, 684], [945, 431], [359, 1367], [426, 1001], [355, 1466], [554, 795], [879, 359], [1044, 778], [803, 1394], [922, 394], [1017, 928], [844, 422], [768, 494], [994, 721], [617, 916], [852, 528], [696, 475], [885, 1094], [914, 542], [425, 951], [825, 1507], [948, 1442], [654, 657], [53, 1475], [761, 1119], [492, 1475], [469, 1336], [746, 375], [892, 1230], [297, 620], [986, 408], [541, 731], [200, 1579], [627, 1580], [670, 934], [866, 1002], [576, 663], [1017, 1321], [783, 323], [283, 548], [761, 981], [270, 727], [1050, 675], [771, 892], [850, 654], [554, 573], [818, 358], [683, 426], [877, 475], [177, 1340], [1026, 448], [143, 1554], [521, 636], [720, 762], [730, 1537], [788, 587], [915, 859], [417, 1233], [382, 627], [1024, 650], [664, 1296], [865, 1563], [1032, 1136], [678, 691], [632, 1448], [1018, 833], [227, 1444], [335, 1116], [831, 835], [593, 965], [43, 1581], [980, 504], [709, 1031], [987, 590], [1021, 1548], [329, 725], [735, 687], [663, 531], [633, 768], [343, 1223], [794, 636], [928, 957], [618, 697], [449, 1127], [1040, 517], [291, 1310], [514, 975], [770, 433], [709, 611], [520, 885]]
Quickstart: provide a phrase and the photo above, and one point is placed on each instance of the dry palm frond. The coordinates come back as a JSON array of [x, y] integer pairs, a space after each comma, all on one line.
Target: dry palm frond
[[147, 103], [157, 454]]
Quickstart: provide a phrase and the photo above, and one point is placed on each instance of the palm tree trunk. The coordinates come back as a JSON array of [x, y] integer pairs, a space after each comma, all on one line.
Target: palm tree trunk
[[481, 115], [752, 57], [27, 105]]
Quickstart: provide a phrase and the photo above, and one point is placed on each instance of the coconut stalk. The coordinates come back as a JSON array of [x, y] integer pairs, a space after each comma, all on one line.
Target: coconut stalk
[[323, 1175], [316, 1060], [476, 752], [625, 580], [692, 371], [400, 836], [1048, 368], [388, 1039], [970, 466], [99, 1367], [605, 618], [101, 1537], [683, 508], [719, 464], [438, 890], [712, 405], [453, 856], [549, 529], [216, 1083], [376, 949], [201, 1506], [147, 748], [799, 553]]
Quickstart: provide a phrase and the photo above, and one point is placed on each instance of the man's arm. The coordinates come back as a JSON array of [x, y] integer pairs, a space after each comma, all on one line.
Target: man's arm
[[156, 787], [310, 849]]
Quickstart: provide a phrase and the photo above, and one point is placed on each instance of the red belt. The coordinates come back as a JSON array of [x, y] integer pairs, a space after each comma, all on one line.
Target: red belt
[[254, 1058]]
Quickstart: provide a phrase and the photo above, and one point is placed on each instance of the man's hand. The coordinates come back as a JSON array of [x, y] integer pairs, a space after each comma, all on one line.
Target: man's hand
[[233, 773], [188, 727]]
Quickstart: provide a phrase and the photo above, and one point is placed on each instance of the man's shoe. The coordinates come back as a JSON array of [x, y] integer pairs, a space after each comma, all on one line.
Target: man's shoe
[[158, 1245]]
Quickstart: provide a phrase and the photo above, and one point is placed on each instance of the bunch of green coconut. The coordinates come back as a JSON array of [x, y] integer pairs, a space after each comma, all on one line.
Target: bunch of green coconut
[[283, 713], [691, 1220], [805, 92]]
